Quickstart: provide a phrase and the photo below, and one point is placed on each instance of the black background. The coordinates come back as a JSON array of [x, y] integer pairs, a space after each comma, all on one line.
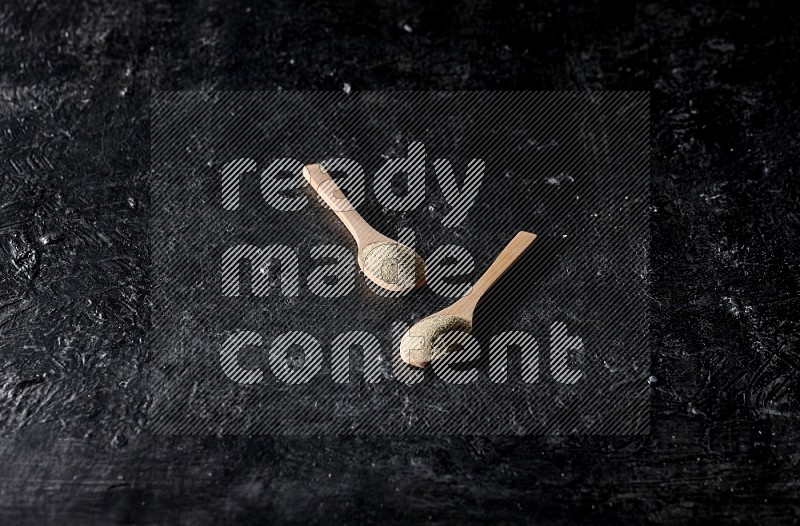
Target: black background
[[74, 282]]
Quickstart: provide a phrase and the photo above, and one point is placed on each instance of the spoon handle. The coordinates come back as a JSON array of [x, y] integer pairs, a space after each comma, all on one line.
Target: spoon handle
[[321, 181], [510, 254]]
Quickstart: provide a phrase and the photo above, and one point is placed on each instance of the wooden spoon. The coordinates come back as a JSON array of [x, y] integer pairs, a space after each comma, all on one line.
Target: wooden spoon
[[418, 346], [386, 262]]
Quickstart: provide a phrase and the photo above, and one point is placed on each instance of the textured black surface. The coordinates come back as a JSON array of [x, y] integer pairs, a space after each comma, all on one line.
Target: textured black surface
[[74, 92]]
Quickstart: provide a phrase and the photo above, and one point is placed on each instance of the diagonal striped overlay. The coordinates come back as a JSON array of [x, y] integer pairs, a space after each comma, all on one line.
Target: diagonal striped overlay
[[263, 323]]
